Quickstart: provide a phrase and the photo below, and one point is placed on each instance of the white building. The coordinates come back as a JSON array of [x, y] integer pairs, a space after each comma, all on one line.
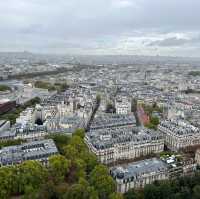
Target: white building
[[26, 116], [123, 143], [138, 174], [179, 134], [122, 105]]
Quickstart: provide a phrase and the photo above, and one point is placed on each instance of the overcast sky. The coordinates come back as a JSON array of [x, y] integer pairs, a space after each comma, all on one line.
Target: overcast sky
[[139, 27]]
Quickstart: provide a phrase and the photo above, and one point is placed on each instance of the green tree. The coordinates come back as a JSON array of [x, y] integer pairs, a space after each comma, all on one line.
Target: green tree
[[131, 194], [60, 140], [154, 120], [77, 191], [6, 179], [31, 173], [150, 126], [90, 160], [80, 166], [184, 193], [78, 143], [194, 73], [77, 171], [70, 152], [45, 85], [165, 191], [98, 98], [11, 142], [151, 192], [48, 190], [93, 194], [81, 190], [30, 193], [58, 167], [4, 88], [102, 181], [116, 196], [80, 133], [196, 192]]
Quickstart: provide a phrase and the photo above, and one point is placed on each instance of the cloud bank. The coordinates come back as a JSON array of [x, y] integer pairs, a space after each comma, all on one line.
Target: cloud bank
[[101, 26]]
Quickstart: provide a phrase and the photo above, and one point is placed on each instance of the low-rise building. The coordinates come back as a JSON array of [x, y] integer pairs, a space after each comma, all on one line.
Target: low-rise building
[[36, 150]]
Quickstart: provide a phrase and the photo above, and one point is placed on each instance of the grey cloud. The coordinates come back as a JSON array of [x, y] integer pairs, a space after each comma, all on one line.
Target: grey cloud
[[93, 24], [173, 41]]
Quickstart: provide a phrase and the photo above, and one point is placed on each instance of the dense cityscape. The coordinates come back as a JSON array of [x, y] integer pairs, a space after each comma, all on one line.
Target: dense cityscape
[[99, 128], [99, 99]]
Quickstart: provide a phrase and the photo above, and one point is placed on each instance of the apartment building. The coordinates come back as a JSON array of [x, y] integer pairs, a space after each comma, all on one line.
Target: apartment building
[[123, 143], [179, 134], [138, 174], [36, 150]]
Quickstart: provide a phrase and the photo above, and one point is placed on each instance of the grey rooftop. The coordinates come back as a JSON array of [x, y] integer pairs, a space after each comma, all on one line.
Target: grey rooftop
[[112, 120], [138, 169], [106, 138], [179, 127], [28, 151]]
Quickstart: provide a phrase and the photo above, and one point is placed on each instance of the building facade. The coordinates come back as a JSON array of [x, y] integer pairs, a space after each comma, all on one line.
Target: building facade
[[179, 134], [122, 105], [123, 143], [138, 174]]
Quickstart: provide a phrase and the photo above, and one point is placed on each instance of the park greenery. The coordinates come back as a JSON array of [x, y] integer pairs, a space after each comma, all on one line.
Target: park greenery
[[45, 85], [194, 73], [60, 87], [14, 114], [98, 98], [150, 110], [4, 88], [11, 142], [153, 122]]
